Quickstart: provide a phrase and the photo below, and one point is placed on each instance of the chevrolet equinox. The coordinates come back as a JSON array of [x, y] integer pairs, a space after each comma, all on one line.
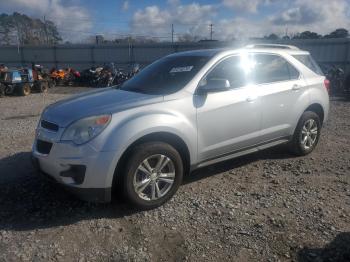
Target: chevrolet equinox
[[184, 111]]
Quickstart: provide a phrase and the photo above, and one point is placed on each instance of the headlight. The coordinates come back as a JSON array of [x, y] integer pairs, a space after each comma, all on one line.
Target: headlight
[[86, 129]]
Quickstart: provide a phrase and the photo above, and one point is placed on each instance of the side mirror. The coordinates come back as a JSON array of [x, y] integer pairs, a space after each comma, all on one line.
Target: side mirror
[[214, 85]]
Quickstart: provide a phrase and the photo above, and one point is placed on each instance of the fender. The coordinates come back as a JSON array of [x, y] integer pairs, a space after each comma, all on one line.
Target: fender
[[315, 96], [320, 96], [124, 132]]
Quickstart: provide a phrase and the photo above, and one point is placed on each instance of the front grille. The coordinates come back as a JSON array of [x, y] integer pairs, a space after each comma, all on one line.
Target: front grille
[[43, 147], [48, 125]]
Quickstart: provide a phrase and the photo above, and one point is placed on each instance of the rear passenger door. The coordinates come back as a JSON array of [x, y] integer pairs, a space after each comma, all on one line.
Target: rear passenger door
[[280, 87]]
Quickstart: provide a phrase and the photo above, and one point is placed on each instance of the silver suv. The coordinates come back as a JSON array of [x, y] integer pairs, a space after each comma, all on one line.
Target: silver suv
[[184, 111]]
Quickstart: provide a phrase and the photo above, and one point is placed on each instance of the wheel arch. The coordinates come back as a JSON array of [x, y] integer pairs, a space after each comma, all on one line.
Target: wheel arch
[[318, 109], [172, 139]]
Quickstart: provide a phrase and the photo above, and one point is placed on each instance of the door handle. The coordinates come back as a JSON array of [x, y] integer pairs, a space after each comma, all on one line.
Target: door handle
[[296, 87]]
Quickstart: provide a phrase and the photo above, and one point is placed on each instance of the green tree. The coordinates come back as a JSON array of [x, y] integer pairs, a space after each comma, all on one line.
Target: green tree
[[19, 28], [271, 37], [338, 33], [307, 35]]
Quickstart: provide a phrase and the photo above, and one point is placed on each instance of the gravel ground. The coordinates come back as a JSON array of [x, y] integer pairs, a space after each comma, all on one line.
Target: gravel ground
[[269, 206]]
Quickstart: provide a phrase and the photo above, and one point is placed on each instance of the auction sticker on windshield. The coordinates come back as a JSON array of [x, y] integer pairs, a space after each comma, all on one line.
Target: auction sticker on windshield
[[181, 69]]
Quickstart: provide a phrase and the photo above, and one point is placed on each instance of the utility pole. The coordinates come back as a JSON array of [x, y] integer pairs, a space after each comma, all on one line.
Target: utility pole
[[46, 36], [172, 33], [18, 38], [211, 31], [18, 44]]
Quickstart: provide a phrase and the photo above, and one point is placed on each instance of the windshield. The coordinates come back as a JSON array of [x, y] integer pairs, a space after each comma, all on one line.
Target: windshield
[[166, 76]]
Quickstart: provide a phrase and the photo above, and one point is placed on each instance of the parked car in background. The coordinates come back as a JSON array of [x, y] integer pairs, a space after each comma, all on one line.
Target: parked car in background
[[184, 111]]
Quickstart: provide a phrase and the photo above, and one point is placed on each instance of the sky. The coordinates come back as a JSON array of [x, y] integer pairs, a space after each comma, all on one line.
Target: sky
[[79, 19]]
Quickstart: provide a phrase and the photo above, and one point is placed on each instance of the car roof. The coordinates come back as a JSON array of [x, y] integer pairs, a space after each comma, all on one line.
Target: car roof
[[273, 49], [201, 52]]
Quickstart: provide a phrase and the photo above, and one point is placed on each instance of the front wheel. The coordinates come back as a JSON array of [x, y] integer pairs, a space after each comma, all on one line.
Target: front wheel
[[43, 86], [2, 90], [24, 89], [306, 134], [152, 175]]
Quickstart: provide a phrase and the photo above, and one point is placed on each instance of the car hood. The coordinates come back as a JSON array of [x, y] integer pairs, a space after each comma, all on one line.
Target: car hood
[[102, 101]]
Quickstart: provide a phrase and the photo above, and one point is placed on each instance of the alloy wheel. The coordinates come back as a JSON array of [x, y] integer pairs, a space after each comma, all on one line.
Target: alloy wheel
[[26, 89], [154, 177], [309, 134]]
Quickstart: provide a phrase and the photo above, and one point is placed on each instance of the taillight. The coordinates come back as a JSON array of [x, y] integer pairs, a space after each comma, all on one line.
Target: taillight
[[327, 85]]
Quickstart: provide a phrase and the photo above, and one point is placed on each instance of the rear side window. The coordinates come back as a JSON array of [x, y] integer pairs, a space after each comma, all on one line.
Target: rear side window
[[293, 73], [272, 68], [309, 62]]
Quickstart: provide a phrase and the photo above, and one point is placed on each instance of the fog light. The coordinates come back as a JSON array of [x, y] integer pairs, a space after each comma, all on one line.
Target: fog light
[[76, 172]]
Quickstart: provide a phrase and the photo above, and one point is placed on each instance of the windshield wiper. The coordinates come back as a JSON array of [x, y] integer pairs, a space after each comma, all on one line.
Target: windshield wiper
[[135, 90]]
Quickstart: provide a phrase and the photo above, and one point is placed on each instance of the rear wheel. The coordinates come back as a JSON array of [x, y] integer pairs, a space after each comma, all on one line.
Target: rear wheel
[[43, 86], [306, 134], [60, 82], [9, 90], [69, 81], [152, 175], [24, 89]]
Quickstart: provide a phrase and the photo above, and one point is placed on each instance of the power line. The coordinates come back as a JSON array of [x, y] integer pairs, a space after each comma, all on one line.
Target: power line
[[112, 34], [124, 35], [124, 21], [112, 21]]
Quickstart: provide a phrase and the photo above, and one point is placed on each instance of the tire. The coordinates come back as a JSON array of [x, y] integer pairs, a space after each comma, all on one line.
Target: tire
[[69, 82], [24, 89], [305, 131], [152, 152], [53, 83], [43, 86], [60, 82], [9, 90], [2, 90]]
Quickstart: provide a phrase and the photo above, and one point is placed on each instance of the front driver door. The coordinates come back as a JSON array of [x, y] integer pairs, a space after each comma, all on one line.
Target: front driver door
[[227, 121]]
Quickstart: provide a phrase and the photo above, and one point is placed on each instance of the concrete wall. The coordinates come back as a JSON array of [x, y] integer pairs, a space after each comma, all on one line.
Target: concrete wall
[[325, 51]]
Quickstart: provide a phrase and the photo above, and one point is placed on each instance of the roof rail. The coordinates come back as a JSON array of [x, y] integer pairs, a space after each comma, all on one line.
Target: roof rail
[[291, 47]]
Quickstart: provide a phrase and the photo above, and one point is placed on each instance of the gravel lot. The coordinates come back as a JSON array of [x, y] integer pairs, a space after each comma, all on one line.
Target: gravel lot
[[269, 206]]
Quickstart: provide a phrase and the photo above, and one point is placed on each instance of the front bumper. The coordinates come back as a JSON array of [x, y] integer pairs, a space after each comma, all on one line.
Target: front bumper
[[82, 170], [90, 194], [97, 195]]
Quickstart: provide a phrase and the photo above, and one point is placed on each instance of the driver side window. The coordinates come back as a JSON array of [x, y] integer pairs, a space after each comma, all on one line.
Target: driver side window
[[229, 69]]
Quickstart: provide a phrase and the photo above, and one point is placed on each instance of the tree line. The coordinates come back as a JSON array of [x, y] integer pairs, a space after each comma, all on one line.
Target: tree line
[[338, 33], [21, 29]]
